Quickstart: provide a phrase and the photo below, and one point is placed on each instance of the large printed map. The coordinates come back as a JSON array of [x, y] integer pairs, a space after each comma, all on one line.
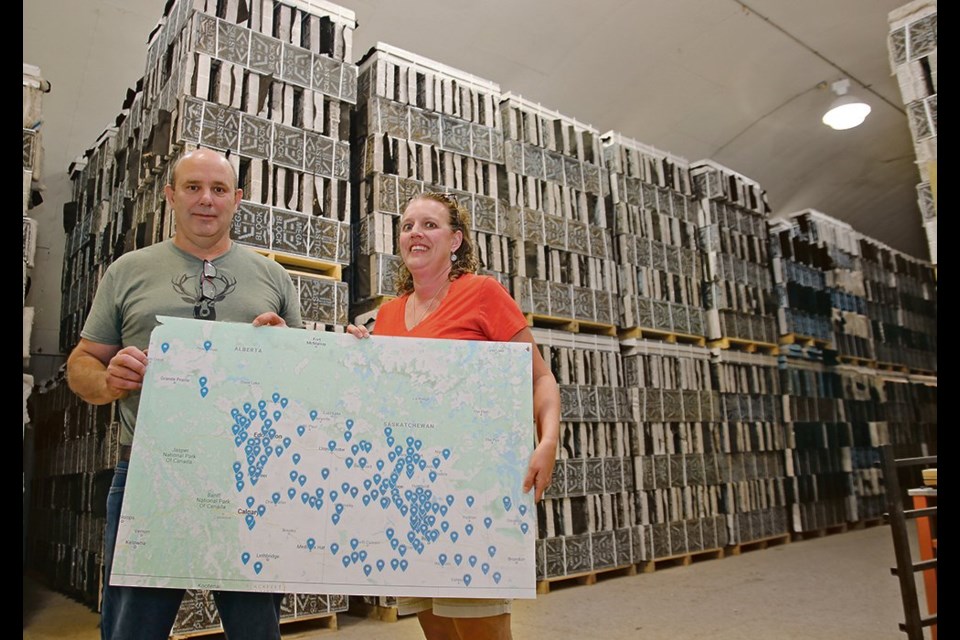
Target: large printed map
[[297, 461]]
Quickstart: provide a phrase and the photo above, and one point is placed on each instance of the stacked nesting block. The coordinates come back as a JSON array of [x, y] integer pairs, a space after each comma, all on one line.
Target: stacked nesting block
[[556, 185], [800, 282], [682, 453], [423, 126], [269, 85], [751, 421], [654, 219], [34, 86], [734, 246], [587, 520], [819, 449], [912, 44], [76, 447], [901, 302]]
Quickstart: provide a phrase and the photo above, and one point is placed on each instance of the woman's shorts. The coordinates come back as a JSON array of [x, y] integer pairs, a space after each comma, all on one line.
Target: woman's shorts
[[454, 607]]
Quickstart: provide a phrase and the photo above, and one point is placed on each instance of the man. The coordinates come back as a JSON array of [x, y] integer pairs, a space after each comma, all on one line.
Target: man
[[199, 273]]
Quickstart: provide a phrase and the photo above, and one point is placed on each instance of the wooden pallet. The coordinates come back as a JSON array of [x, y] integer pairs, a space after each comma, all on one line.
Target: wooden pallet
[[681, 560], [890, 366], [313, 266], [374, 611], [748, 346], [666, 336], [762, 543], [842, 527], [805, 341], [585, 578], [568, 324], [300, 626], [856, 360]]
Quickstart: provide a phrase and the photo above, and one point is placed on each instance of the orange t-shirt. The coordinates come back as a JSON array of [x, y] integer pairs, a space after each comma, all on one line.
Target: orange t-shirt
[[475, 308]]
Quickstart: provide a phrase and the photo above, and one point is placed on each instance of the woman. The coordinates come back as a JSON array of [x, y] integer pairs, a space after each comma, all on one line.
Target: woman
[[440, 296]]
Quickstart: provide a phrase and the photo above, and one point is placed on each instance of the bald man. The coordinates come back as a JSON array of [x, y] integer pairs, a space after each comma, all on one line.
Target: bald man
[[199, 273]]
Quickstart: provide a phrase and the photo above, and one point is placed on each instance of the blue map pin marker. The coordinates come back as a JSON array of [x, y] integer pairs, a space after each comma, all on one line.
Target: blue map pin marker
[[334, 548], [311, 543], [313, 414], [258, 567], [355, 449], [240, 485], [367, 484], [469, 529], [454, 535], [402, 550], [245, 557], [394, 543], [422, 464], [384, 502], [366, 500], [353, 492], [492, 550], [348, 462], [446, 454], [312, 501], [411, 536], [346, 561], [496, 577], [206, 346], [380, 565], [473, 561], [301, 430], [469, 501], [444, 525], [354, 557], [203, 392], [394, 563], [250, 521], [442, 558], [278, 451], [165, 346], [524, 527], [354, 542], [291, 492], [403, 510], [305, 497], [334, 495], [325, 473], [390, 441], [247, 407], [235, 428], [276, 396], [302, 480], [410, 471], [332, 445], [379, 465], [250, 501], [506, 503], [347, 435], [433, 476], [387, 431], [345, 487], [277, 415], [319, 492], [263, 414], [450, 500], [362, 462], [335, 518], [487, 522], [262, 404], [522, 509], [363, 555], [434, 535], [266, 426], [436, 463], [203, 381], [403, 565], [392, 456], [410, 440], [261, 510], [485, 567], [367, 569], [418, 444]]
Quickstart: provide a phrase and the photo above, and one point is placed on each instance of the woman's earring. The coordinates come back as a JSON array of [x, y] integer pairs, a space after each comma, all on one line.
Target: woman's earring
[[453, 256]]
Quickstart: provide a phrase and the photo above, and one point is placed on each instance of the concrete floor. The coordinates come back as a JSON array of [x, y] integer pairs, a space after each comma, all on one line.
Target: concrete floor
[[836, 587]]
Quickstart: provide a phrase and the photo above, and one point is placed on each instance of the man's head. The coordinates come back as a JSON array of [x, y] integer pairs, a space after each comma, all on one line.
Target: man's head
[[204, 196]]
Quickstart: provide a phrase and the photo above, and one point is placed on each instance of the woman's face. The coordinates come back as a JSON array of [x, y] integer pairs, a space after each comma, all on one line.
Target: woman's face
[[426, 238]]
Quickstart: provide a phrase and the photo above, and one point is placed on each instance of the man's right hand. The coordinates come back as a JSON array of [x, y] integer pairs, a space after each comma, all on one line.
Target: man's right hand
[[126, 370]]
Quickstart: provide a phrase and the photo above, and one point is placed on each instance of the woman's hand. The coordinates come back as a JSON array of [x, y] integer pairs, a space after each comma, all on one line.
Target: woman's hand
[[540, 470], [269, 319], [358, 331]]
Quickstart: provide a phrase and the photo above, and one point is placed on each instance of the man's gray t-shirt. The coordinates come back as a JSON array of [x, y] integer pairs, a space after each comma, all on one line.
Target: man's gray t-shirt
[[164, 280]]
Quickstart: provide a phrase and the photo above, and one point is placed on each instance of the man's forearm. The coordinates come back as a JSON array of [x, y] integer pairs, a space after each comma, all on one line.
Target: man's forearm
[[87, 377]]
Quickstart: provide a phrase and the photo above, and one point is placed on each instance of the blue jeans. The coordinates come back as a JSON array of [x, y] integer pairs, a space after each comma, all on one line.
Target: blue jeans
[[145, 613]]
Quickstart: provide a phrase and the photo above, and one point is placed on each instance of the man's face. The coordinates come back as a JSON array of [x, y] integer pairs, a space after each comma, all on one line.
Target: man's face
[[204, 198]]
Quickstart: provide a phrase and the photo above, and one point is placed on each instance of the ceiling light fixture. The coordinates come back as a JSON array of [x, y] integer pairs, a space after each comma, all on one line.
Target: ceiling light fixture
[[846, 112]]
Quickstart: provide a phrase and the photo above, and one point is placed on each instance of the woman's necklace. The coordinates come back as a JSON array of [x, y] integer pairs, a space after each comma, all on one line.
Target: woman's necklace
[[428, 308]]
